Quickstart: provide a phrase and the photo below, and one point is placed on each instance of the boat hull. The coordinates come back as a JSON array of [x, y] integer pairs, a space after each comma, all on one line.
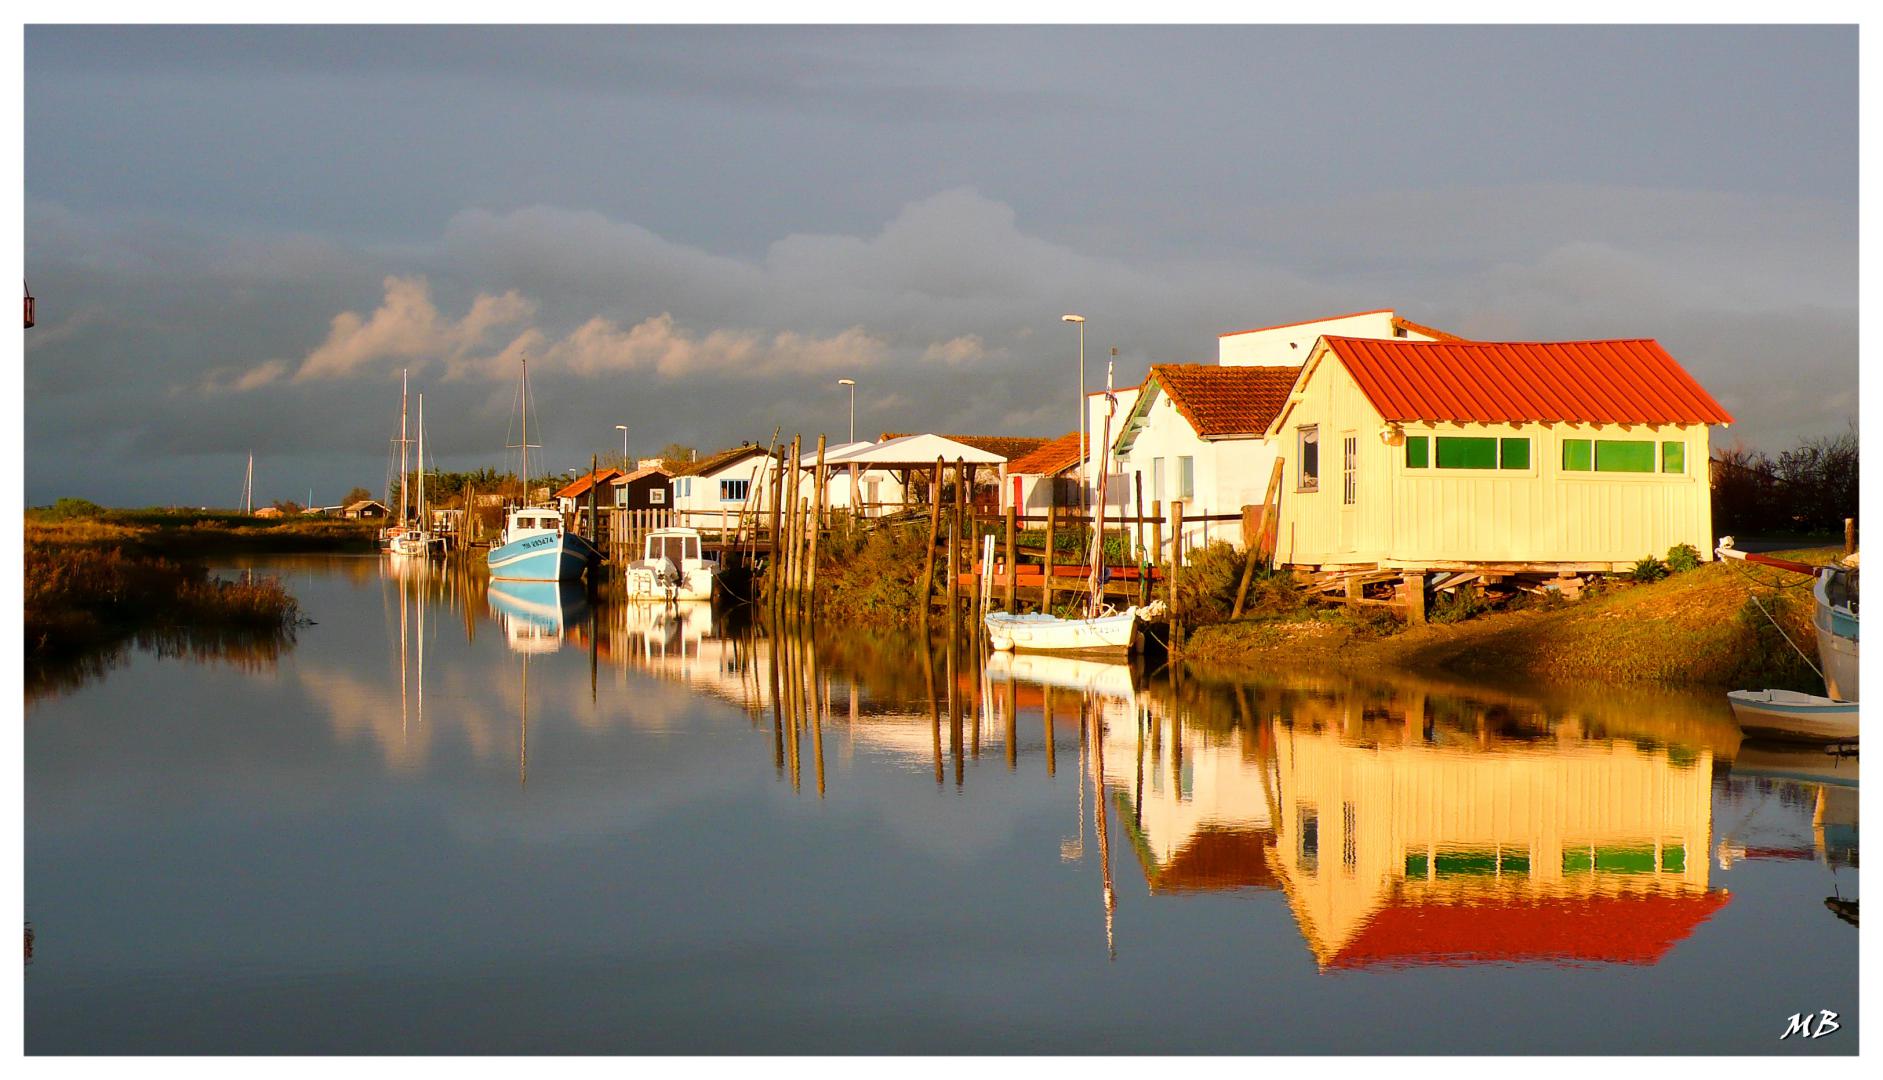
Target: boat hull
[[544, 557], [1788, 715], [646, 584], [1109, 635]]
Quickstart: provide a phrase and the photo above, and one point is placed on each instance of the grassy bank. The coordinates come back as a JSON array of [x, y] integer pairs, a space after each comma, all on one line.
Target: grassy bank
[[1699, 628], [94, 581]]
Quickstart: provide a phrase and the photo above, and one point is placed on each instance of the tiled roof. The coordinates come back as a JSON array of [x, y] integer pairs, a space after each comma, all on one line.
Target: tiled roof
[[1050, 460], [638, 473], [1636, 929], [1007, 446], [1224, 401], [578, 487], [1629, 381], [717, 461]]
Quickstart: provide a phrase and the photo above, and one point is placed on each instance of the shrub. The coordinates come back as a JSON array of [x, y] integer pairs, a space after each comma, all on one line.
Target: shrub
[[1457, 606], [1207, 589], [1682, 558], [1648, 569]]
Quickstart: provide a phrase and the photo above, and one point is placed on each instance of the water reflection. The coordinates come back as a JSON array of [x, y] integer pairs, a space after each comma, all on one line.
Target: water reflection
[[610, 785]]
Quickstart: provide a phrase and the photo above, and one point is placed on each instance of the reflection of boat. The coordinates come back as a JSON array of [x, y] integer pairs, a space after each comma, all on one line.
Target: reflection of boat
[[1842, 908], [1789, 714], [1038, 632], [671, 567], [536, 614], [1110, 679], [1794, 761]]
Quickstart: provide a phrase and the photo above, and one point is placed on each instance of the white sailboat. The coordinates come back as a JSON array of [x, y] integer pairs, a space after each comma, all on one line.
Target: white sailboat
[[415, 542], [1103, 630]]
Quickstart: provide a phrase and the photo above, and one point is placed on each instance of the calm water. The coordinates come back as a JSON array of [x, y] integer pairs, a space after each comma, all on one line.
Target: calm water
[[447, 820]]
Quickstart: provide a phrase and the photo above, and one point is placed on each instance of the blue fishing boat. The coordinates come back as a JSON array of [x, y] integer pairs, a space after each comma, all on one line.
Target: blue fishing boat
[[536, 547]]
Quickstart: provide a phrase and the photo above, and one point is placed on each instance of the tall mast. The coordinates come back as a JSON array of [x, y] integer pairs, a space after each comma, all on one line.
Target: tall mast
[[248, 486], [402, 445], [526, 459], [421, 462]]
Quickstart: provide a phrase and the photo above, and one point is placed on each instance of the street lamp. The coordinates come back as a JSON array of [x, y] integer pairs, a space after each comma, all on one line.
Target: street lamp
[[623, 429], [1084, 453], [852, 384]]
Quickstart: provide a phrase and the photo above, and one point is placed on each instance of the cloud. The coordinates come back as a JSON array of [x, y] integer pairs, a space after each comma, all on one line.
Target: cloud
[[657, 345], [407, 326]]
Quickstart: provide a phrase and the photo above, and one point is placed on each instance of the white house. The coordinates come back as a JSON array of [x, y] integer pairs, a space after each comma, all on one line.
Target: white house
[[1096, 411], [726, 482], [851, 484], [1198, 435], [1288, 345], [1045, 478]]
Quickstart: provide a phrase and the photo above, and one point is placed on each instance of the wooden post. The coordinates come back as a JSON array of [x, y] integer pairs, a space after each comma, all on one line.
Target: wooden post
[[953, 576], [800, 549], [934, 526], [1176, 571], [1046, 564], [1415, 599], [593, 523], [817, 524], [1013, 563], [1157, 532], [777, 514], [961, 535], [1850, 535], [1259, 544]]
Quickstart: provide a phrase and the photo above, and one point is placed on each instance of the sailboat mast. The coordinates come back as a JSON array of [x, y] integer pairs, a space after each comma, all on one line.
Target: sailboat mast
[[526, 431], [248, 486], [421, 462], [402, 445]]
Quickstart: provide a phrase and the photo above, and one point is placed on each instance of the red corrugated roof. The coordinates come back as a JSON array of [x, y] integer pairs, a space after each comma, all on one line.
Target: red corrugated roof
[[1221, 401], [1599, 929], [1055, 457], [1628, 381]]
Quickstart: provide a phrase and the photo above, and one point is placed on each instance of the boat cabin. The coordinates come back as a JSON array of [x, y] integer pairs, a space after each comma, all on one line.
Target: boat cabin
[[675, 545]]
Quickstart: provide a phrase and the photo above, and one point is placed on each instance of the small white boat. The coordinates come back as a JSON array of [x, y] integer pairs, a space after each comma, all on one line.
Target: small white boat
[[1037, 632], [672, 567], [1789, 714]]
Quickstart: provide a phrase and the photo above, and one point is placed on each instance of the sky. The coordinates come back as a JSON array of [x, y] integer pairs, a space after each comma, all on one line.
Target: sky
[[239, 237]]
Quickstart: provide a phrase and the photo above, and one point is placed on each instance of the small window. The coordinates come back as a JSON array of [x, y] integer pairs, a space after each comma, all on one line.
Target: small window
[[1308, 447], [1624, 455], [1418, 451], [1513, 453], [1308, 853], [1186, 477], [683, 487], [657, 497], [1578, 455], [1466, 452], [1157, 479], [1673, 457], [1349, 461], [733, 490], [1349, 839]]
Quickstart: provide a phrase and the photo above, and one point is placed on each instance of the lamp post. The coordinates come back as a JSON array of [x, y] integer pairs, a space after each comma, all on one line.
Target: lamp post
[[852, 384], [1084, 452], [623, 429]]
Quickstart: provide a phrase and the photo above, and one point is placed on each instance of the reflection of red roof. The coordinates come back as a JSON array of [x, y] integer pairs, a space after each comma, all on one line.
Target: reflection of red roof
[[1055, 457], [1217, 858], [1632, 381], [1636, 929]]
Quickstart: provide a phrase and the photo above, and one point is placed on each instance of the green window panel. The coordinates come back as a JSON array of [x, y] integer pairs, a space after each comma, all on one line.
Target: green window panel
[[1513, 454], [1418, 452], [1416, 866], [1578, 455], [1465, 863], [1673, 457], [1624, 860], [1466, 452], [1624, 455], [1674, 858], [1515, 862], [1579, 860]]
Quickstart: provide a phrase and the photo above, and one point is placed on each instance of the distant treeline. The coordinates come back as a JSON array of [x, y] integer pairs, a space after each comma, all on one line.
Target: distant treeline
[[1809, 489]]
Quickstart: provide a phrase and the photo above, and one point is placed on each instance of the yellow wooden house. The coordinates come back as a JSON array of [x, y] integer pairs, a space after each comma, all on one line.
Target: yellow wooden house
[[1511, 456]]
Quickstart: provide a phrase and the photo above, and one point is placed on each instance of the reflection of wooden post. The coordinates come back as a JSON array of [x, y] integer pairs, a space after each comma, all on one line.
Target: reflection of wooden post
[[1012, 733], [1046, 708], [934, 526], [954, 703], [934, 711], [817, 705]]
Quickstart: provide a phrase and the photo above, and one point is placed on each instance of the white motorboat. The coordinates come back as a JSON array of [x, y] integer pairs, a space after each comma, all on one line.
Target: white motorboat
[[1790, 714], [672, 567], [1038, 632]]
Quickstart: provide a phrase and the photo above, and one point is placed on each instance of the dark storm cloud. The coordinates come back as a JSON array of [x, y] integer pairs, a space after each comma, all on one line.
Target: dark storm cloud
[[242, 236]]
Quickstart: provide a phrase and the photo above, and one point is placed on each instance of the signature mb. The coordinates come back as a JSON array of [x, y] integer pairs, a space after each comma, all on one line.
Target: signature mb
[[1801, 1024]]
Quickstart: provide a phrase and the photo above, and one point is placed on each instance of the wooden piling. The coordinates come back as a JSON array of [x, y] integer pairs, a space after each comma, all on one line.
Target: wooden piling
[[954, 579], [934, 526], [777, 515], [1259, 545], [1176, 572], [1013, 562], [1046, 567], [817, 524], [1415, 599], [1850, 535], [1157, 532], [961, 531]]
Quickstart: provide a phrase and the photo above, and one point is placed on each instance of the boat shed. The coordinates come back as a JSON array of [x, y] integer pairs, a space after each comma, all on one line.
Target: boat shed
[[1492, 456], [907, 459]]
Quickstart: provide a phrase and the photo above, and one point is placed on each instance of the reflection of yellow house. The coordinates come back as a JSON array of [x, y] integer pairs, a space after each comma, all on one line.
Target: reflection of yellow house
[[1195, 804], [1419, 854]]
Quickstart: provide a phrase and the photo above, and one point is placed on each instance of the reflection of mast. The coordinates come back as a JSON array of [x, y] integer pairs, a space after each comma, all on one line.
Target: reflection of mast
[[402, 650], [523, 738], [1102, 820]]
